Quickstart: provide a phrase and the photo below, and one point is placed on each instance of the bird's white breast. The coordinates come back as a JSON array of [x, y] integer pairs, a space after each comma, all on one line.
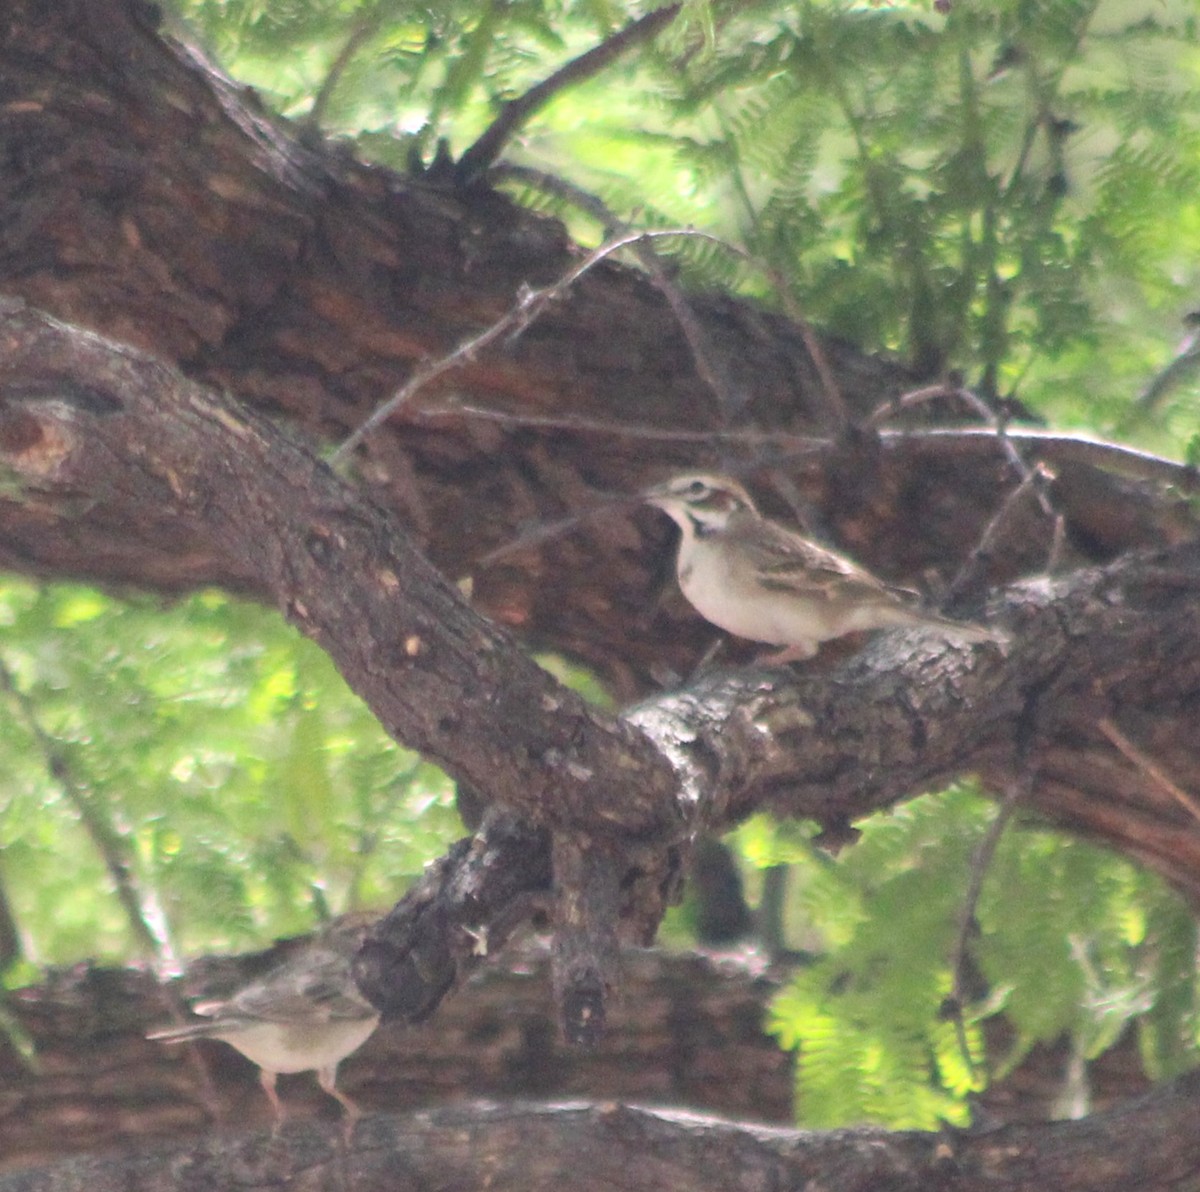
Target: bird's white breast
[[299, 1046], [732, 600]]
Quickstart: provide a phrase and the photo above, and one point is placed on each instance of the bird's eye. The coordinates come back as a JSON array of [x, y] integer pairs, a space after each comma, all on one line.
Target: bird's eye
[[696, 489]]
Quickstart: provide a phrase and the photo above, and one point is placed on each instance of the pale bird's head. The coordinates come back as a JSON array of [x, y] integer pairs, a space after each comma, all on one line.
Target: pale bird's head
[[700, 502]]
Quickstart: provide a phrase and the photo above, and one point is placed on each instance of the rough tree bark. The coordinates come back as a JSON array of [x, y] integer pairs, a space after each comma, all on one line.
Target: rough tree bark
[[151, 201], [1144, 1146]]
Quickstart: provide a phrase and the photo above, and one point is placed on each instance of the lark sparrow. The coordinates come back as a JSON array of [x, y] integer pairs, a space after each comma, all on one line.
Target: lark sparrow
[[759, 580], [305, 1014]]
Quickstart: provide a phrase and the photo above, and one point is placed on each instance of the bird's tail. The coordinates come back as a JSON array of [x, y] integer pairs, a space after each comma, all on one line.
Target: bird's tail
[[175, 1034], [966, 631]]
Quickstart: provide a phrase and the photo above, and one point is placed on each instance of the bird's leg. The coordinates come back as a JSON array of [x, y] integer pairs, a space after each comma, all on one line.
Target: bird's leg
[[796, 652], [327, 1079], [267, 1080]]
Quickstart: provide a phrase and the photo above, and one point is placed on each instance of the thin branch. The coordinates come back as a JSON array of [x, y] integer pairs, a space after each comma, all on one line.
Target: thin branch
[[1058, 447], [1149, 767], [915, 398], [1070, 448], [707, 367], [631, 430], [106, 841], [1057, 541], [981, 409], [1180, 371], [835, 403], [1055, 446], [1027, 474], [985, 549], [560, 188], [363, 30], [543, 532], [980, 863], [514, 113], [530, 304], [836, 408], [548, 531]]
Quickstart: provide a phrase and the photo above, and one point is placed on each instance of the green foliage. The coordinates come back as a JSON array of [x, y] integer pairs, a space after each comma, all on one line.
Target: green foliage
[[1069, 941], [214, 753]]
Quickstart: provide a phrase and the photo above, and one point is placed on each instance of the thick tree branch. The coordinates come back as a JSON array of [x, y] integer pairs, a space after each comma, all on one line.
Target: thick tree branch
[[86, 419], [1146, 1146]]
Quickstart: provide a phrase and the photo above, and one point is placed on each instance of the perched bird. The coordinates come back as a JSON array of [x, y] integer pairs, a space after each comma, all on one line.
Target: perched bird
[[305, 1014], [757, 579]]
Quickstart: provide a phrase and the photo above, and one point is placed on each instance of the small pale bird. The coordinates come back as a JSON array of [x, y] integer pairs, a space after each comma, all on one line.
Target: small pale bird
[[306, 1014], [757, 579]]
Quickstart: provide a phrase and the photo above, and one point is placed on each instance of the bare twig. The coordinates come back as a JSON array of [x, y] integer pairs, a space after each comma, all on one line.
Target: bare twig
[[836, 408], [362, 31], [835, 403], [632, 430], [1182, 369], [980, 863], [914, 398], [514, 113], [1057, 541], [984, 549], [1078, 449], [530, 304], [1149, 767], [978, 407], [838, 413], [548, 531], [106, 841], [784, 445], [1030, 482], [1056, 447], [708, 367]]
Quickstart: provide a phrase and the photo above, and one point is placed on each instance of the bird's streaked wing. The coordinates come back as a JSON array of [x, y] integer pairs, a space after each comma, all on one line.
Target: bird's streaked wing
[[786, 562]]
